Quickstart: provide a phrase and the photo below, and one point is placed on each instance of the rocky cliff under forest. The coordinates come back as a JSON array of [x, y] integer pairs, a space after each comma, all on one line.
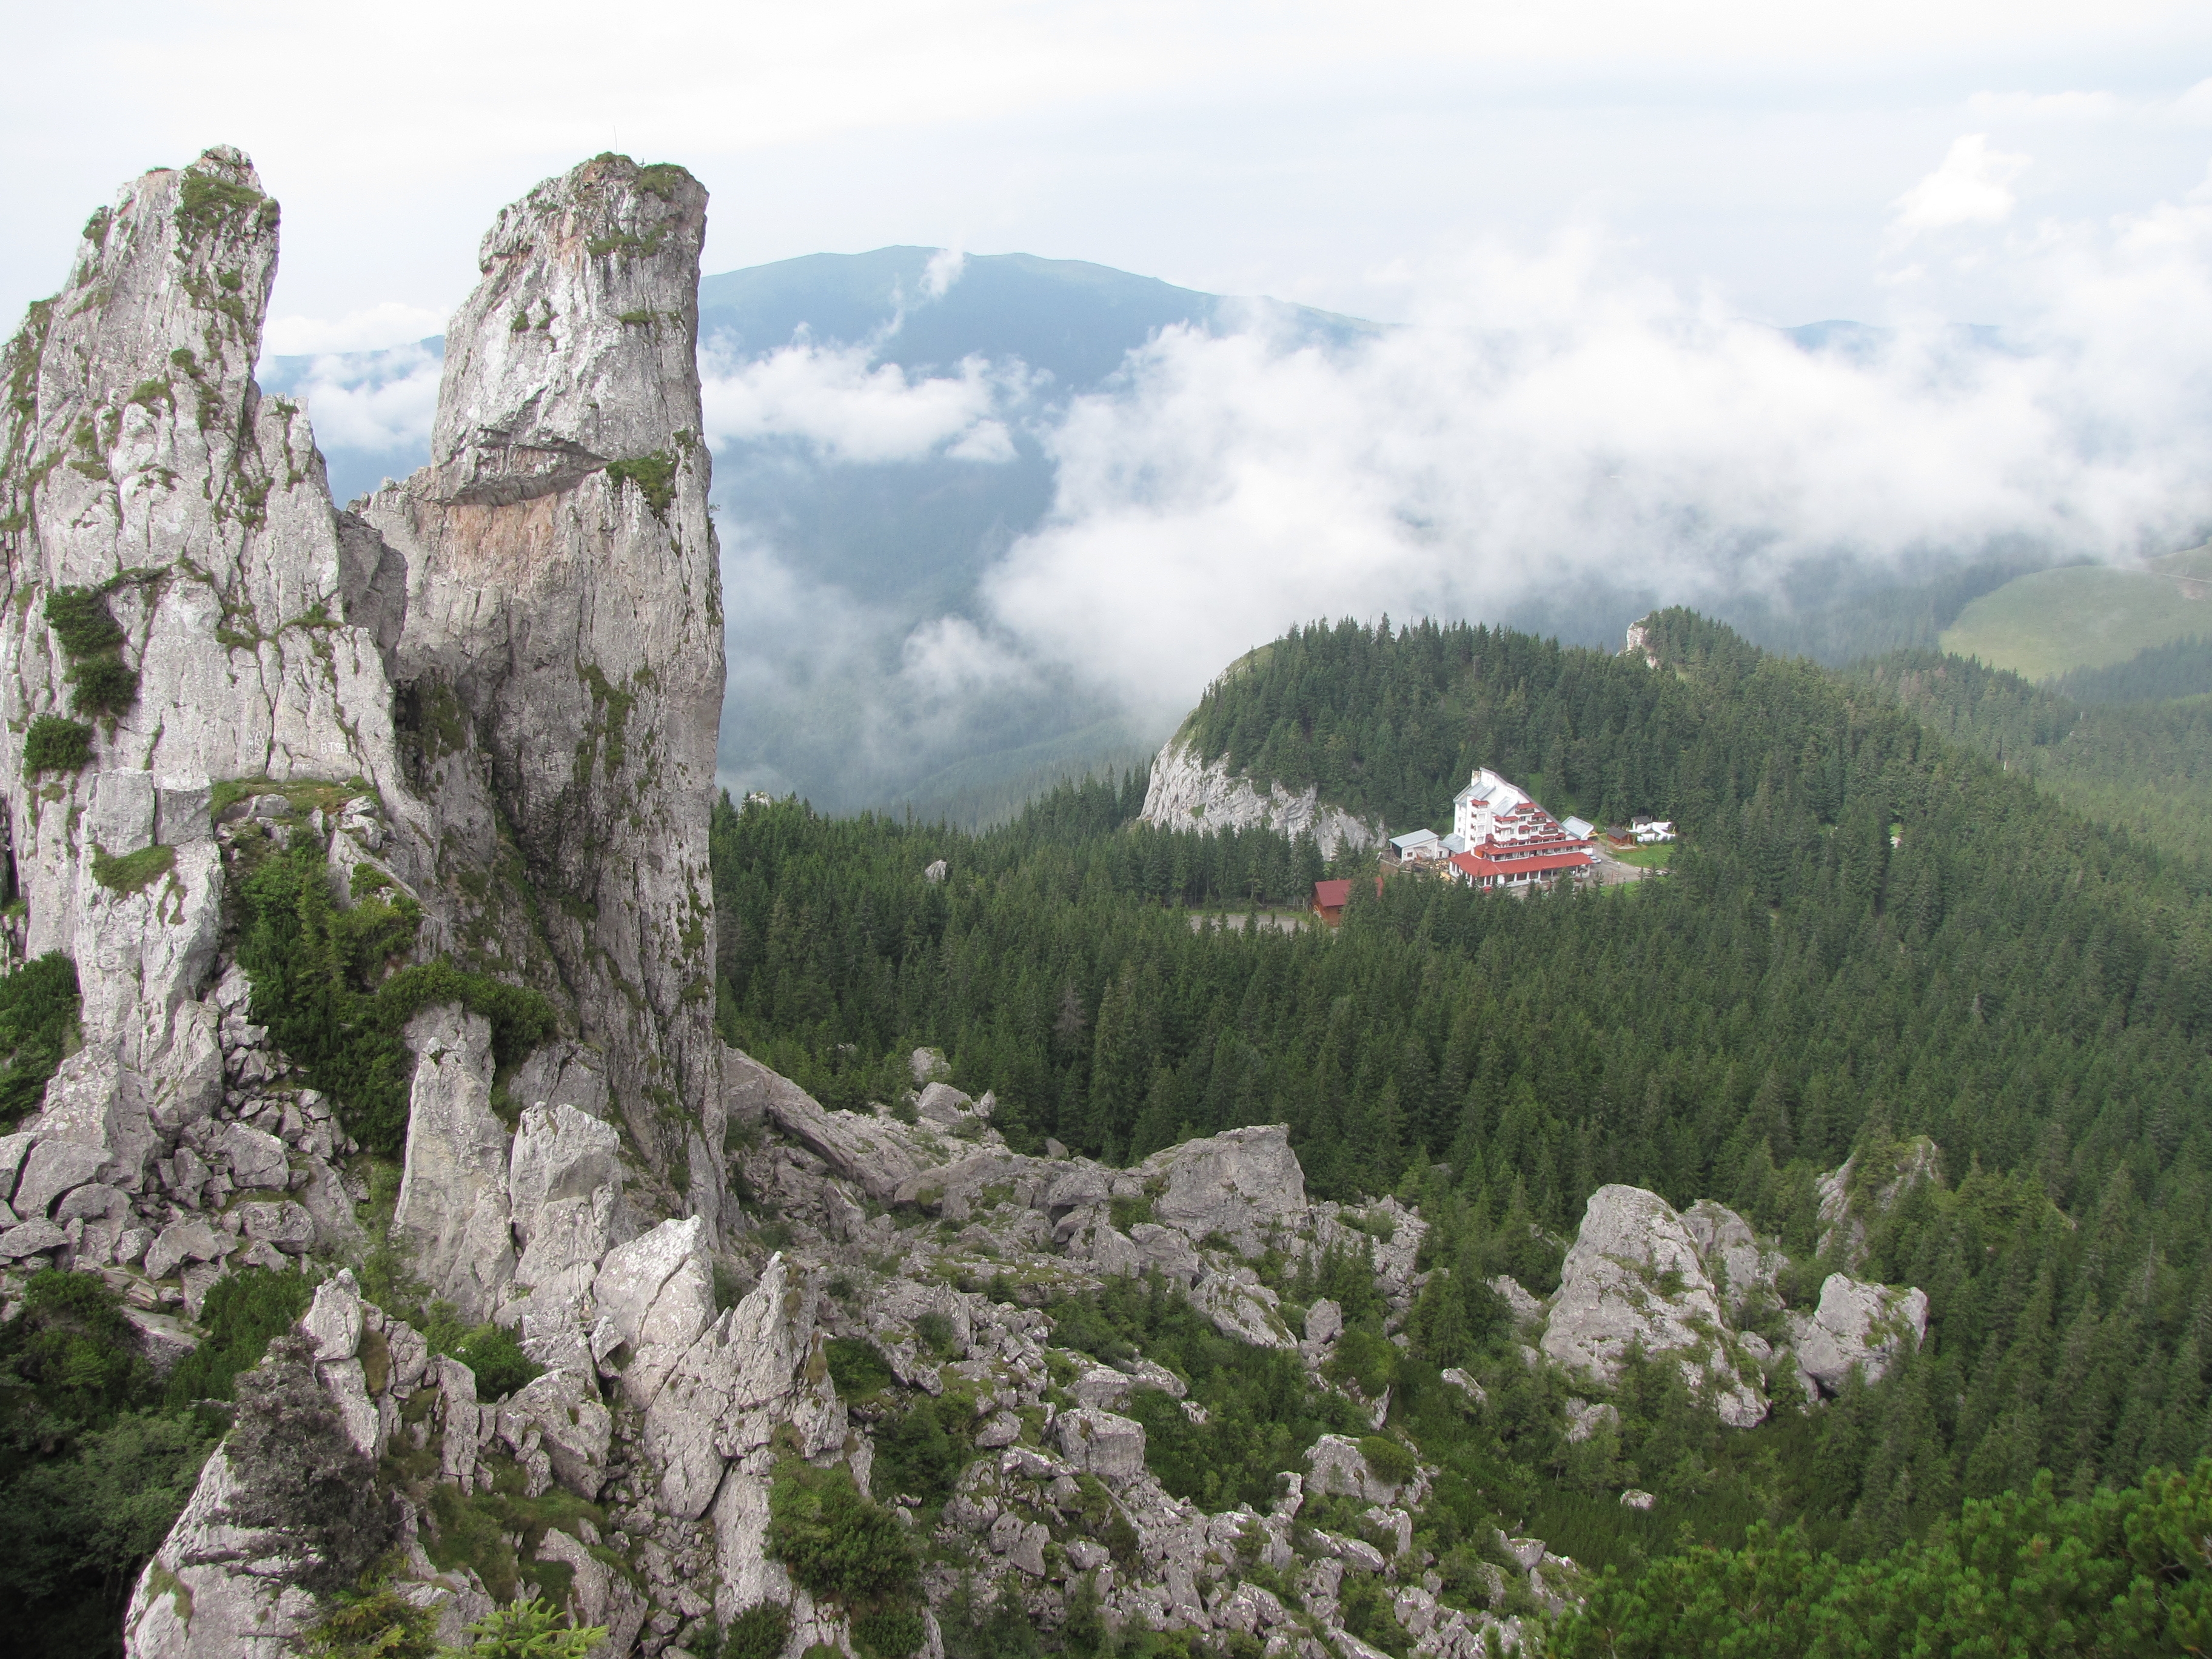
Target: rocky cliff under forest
[[375, 840]]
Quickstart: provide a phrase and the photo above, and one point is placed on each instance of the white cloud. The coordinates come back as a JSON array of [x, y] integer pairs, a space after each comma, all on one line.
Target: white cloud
[[390, 324], [2194, 107], [849, 408], [381, 402], [1593, 428], [1973, 187], [943, 271], [951, 657], [2085, 107]]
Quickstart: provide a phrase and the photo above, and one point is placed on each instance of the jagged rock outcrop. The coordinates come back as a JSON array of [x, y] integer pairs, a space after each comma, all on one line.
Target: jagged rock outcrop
[[453, 1208], [1187, 792], [544, 616], [1851, 1193], [1635, 1279], [1857, 1326], [564, 1206], [650, 1382], [562, 651], [217, 1587], [1743, 1270], [1640, 1276], [202, 657]]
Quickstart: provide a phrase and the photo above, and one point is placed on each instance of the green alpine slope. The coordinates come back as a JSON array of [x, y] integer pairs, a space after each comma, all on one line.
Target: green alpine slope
[[2083, 616]]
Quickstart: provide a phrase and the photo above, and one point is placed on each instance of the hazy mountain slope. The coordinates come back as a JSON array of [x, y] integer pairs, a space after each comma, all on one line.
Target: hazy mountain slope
[[2181, 669], [1073, 319], [2143, 766]]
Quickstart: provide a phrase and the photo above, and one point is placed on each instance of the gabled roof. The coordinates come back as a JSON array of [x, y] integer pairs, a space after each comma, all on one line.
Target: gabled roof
[[1335, 895], [1487, 786], [1406, 843]]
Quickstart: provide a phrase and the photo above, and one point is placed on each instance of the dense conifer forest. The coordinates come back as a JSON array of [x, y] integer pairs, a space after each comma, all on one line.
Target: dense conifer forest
[[1870, 933], [2130, 746]]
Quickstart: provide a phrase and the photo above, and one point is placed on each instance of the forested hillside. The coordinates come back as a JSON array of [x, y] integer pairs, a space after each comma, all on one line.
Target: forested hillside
[[2141, 766], [1870, 934]]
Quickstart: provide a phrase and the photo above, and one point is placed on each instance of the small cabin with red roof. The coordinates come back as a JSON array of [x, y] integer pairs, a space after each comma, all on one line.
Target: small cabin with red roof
[[1331, 896]]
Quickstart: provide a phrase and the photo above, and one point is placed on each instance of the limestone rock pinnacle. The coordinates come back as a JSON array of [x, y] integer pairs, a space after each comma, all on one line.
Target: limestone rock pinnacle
[[145, 482], [563, 580]]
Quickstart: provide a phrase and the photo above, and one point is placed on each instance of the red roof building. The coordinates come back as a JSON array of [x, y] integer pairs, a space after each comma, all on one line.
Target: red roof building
[[1331, 896], [1511, 841]]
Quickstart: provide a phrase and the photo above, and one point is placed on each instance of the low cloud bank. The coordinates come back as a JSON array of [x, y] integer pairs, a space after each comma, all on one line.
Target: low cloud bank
[[1551, 424], [848, 408]]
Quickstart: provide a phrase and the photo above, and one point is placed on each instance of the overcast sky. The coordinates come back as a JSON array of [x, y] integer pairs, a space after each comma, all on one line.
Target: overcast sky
[[1778, 159]]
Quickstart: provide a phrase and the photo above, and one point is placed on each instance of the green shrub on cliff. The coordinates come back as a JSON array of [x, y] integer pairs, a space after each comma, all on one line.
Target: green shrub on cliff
[[835, 1541], [39, 1005], [323, 986], [55, 743]]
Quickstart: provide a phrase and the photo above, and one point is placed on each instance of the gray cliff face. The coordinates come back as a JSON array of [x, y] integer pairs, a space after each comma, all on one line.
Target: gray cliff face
[[562, 659], [1189, 793]]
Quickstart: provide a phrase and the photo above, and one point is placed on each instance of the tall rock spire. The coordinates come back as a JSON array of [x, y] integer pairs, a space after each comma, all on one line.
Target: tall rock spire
[[183, 609], [561, 669]]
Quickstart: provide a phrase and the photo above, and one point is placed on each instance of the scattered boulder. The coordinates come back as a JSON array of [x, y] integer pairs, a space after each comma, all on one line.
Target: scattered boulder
[[54, 1167], [1466, 1385], [162, 1339], [1857, 1325], [1242, 1308], [560, 1413], [287, 1226], [1335, 1463], [257, 1159], [1101, 1444], [1165, 1251], [877, 1153], [941, 1103], [181, 1241], [1634, 1279], [1585, 1419], [1526, 1310], [33, 1238]]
